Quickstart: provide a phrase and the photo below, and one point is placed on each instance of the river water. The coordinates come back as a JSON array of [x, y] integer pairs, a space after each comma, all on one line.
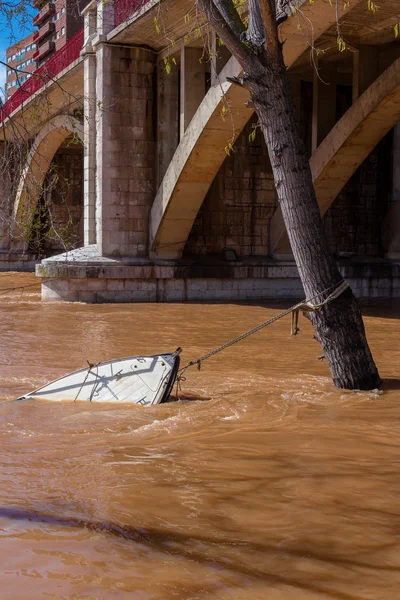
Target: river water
[[262, 482]]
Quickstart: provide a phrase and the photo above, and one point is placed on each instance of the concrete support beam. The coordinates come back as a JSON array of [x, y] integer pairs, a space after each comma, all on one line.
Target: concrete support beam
[[105, 17], [167, 117], [396, 165], [391, 224], [219, 57], [368, 67], [295, 86], [89, 157], [89, 109], [193, 85], [125, 149], [201, 151], [324, 104], [356, 76]]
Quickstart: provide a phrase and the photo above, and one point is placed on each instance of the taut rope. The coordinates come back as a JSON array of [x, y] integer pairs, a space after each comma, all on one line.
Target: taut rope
[[306, 305]]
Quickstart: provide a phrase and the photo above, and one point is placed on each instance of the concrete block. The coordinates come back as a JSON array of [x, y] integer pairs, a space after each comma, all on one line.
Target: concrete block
[[87, 297], [78, 285], [115, 285], [95, 285]]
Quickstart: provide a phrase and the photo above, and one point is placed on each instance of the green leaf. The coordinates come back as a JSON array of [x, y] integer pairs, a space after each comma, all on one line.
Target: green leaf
[[167, 66], [157, 25], [341, 44], [224, 111], [228, 149]]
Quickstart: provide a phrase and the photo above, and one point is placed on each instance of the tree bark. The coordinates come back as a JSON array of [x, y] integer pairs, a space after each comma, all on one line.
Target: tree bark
[[339, 326]]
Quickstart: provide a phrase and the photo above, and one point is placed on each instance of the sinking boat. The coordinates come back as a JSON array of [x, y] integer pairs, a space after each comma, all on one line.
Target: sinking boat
[[141, 380]]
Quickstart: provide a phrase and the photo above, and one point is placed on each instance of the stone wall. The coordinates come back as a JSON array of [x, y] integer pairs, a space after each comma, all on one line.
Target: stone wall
[[58, 223], [119, 282], [126, 149], [237, 210], [354, 222], [240, 203]]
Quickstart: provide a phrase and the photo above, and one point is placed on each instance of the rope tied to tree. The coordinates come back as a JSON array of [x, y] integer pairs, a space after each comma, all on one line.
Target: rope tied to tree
[[305, 306], [308, 306]]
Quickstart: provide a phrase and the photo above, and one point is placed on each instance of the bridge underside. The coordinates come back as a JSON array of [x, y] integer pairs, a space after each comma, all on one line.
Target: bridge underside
[[172, 213]]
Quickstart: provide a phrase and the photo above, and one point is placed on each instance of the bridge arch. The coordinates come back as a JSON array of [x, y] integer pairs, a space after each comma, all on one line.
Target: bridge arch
[[38, 162], [201, 150], [347, 145]]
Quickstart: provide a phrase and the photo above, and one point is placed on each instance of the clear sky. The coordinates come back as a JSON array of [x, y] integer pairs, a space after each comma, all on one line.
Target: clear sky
[[20, 27]]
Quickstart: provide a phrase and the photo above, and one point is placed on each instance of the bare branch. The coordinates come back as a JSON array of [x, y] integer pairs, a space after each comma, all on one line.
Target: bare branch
[[256, 29]]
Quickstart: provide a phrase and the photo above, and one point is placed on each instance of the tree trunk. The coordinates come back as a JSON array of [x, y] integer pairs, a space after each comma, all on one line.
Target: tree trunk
[[339, 327]]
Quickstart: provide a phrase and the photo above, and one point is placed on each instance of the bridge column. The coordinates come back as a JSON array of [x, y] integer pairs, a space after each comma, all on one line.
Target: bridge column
[[324, 103], [167, 117], [125, 148], [89, 108], [219, 57], [365, 69], [391, 224], [193, 84], [105, 18]]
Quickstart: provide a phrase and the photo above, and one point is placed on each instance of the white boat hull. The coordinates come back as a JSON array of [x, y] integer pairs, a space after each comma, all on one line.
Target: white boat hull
[[141, 380]]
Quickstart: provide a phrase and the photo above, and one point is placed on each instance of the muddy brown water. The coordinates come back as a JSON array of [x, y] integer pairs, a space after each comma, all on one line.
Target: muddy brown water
[[264, 482]]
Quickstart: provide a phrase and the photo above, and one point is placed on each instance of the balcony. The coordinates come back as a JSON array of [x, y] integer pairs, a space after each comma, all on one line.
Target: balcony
[[44, 50], [35, 36], [47, 11], [45, 31]]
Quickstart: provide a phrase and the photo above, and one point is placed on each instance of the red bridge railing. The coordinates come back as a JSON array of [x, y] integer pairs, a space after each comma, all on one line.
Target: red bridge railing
[[123, 9], [57, 63]]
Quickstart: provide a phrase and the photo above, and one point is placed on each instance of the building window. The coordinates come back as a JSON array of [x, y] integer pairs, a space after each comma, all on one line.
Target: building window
[[63, 10], [57, 16], [62, 31]]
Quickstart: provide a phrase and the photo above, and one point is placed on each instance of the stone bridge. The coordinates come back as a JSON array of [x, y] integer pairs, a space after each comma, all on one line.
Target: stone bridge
[[178, 201]]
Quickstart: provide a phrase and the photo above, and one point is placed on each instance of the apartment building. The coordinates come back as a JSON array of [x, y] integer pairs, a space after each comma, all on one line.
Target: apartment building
[[57, 22], [20, 63]]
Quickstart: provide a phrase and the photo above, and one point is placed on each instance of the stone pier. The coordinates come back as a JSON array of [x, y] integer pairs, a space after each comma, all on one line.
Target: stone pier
[[179, 207]]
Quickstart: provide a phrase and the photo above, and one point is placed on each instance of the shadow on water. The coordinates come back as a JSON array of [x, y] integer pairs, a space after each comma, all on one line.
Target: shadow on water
[[199, 548], [384, 308], [391, 384]]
